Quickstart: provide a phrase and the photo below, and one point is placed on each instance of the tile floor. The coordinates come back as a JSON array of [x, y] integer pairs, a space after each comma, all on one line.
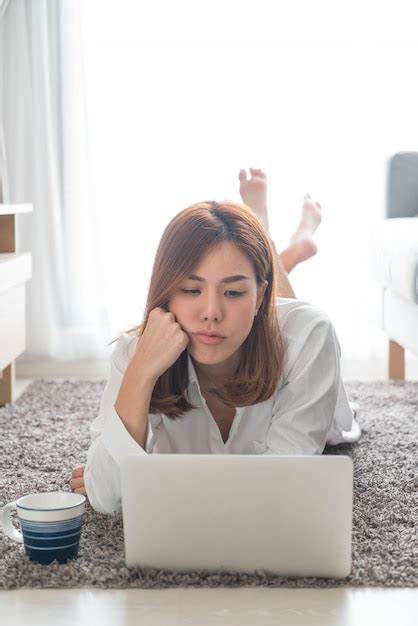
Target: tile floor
[[207, 607]]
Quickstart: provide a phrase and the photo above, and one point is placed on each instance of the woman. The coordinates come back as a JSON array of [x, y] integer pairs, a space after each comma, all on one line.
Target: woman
[[269, 381]]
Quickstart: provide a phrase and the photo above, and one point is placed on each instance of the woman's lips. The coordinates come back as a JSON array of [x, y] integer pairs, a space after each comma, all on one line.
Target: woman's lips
[[209, 340]]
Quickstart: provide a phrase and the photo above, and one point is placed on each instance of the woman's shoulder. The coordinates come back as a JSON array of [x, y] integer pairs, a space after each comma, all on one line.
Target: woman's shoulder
[[296, 315], [304, 328]]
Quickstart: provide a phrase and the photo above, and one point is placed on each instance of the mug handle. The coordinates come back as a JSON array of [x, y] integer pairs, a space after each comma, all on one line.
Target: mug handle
[[7, 525]]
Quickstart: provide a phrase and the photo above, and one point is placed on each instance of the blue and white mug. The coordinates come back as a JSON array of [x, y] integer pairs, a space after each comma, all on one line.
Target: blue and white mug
[[51, 525]]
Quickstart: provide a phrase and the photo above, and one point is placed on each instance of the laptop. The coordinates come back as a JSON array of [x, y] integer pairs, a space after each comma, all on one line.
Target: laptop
[[286, 515]]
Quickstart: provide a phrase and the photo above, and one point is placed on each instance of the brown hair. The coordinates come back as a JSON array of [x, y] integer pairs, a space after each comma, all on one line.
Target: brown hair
[[189, 236]]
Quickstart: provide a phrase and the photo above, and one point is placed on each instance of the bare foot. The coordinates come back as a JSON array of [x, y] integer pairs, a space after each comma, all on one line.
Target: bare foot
[[309, 221], [302, 245], [254, 193], [297, 253]]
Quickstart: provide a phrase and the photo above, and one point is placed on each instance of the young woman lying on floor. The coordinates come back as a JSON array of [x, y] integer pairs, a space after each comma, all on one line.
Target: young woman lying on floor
[[227, 360]]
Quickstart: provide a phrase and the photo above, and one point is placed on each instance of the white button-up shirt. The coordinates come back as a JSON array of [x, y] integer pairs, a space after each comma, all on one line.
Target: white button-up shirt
[[308, 409]]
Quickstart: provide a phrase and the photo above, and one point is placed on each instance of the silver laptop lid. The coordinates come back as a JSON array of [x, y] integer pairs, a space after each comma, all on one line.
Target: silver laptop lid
[[286, 515]]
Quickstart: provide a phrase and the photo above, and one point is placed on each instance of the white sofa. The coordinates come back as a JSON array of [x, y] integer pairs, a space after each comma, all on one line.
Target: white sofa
[[394, 260]]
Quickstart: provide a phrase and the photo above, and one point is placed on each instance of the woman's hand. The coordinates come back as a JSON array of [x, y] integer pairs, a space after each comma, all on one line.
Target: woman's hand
[[77, 480], [160, 344]]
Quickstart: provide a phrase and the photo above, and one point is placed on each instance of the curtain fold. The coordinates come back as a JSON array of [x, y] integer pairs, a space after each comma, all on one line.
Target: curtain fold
[[3, 7], [46, 149]]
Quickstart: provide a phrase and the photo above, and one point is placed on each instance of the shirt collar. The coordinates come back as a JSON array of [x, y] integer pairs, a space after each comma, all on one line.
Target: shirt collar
[[192, 372], [193, 379]]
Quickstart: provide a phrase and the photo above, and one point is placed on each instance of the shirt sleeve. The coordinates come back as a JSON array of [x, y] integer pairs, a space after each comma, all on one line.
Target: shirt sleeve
[[109, 440], [304, 407]]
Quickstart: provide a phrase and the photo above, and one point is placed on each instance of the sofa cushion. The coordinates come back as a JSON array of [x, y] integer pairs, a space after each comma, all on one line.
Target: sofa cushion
[[393, 255]]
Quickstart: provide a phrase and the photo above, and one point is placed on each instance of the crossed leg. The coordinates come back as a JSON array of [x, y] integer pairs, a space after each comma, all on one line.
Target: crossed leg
[[301, 246]]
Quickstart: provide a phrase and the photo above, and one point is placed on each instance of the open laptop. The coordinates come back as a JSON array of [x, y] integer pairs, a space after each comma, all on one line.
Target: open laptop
[[287, 515]]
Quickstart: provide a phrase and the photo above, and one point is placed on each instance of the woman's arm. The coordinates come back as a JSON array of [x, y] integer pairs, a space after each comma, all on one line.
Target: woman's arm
[[111, 439]]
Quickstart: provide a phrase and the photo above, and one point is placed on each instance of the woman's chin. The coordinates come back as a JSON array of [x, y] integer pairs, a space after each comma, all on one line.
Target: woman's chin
[[206, 355]]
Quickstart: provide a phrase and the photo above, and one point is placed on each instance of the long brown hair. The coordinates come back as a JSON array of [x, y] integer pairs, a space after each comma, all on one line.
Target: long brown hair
[[189, 236]]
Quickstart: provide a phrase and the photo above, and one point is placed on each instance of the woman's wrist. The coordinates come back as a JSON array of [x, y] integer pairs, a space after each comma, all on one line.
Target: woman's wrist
[[133, 403]]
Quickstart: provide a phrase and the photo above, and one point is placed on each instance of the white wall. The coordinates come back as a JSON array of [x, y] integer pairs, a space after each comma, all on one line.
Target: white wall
[[181, 95]]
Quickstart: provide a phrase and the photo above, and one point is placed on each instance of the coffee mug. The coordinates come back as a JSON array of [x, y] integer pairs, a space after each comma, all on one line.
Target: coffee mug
[[51, 525]]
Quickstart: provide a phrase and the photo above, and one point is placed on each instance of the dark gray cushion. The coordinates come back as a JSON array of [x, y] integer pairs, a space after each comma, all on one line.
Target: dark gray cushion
[[402, 185]]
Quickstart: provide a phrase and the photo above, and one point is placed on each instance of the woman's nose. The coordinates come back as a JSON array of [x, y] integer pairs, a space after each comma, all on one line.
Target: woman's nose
[[212, 308]]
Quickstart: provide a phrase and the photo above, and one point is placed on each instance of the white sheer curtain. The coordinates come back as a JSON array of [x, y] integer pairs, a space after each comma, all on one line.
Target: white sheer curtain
[[48, 166], [182, 95]]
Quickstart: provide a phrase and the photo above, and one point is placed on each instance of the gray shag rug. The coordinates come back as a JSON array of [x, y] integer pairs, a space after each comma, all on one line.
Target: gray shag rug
[[45, 434]]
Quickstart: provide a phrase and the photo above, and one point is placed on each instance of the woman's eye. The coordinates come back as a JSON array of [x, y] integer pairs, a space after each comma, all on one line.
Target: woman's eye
[[234, 294]]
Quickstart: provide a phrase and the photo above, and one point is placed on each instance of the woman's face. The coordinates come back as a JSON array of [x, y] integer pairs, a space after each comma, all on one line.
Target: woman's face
[[211, 304]]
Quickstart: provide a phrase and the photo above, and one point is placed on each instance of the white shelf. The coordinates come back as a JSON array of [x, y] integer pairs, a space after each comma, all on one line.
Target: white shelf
[[14, 269], [12, 209]]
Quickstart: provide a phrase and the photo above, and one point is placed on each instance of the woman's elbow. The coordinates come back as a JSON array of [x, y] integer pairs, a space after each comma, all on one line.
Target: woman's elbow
[[103, 501]]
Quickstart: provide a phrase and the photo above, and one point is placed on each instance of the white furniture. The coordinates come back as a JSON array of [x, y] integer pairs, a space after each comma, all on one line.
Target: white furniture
[[15, 270], [394, 259]]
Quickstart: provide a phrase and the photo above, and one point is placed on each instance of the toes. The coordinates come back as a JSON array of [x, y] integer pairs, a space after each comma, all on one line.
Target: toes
[[242, 175], [309, 201], [255, 172]]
